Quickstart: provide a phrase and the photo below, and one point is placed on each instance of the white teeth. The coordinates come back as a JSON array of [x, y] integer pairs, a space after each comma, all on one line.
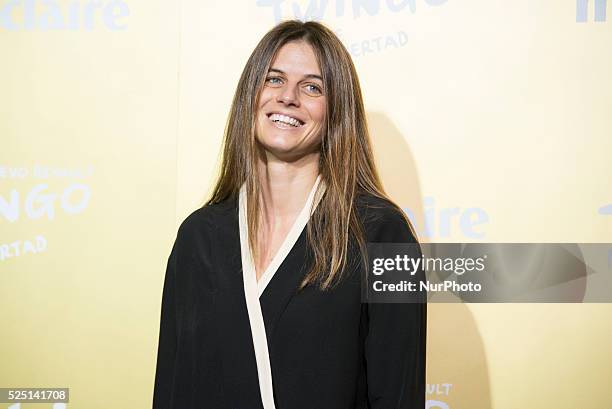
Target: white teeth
[[286, 119]]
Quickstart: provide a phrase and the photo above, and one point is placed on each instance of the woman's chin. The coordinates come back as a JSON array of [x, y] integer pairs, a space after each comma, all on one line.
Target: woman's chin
[[286, 148], [278, 143]]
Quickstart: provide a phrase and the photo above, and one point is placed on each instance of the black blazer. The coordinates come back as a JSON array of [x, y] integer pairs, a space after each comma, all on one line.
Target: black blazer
[[327, 350]]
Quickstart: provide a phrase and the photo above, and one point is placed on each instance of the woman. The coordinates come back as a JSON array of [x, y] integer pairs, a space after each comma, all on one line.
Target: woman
[[262, 303]]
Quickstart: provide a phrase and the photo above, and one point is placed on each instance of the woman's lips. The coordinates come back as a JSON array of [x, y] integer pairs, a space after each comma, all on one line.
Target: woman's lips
[[283, 126]]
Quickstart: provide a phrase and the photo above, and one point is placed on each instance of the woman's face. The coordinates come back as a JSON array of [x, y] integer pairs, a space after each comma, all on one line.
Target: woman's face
[[291, 109]]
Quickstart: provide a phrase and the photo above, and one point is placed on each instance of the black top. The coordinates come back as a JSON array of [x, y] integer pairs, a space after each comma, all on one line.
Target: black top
[[327, 349]]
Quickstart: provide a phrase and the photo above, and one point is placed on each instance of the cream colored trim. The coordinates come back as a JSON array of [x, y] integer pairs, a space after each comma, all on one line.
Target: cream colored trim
[[258, 329], [253, 289], [290, 239]]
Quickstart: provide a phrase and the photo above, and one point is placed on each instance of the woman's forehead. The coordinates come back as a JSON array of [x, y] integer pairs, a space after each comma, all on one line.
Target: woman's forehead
[[296, 58]]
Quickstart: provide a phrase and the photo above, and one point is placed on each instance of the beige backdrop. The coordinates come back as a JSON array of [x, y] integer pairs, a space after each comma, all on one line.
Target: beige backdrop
[[491, 122]]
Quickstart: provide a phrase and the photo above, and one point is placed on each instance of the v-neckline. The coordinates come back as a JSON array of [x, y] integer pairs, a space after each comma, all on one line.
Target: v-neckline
[[288, 242], [254, 288]]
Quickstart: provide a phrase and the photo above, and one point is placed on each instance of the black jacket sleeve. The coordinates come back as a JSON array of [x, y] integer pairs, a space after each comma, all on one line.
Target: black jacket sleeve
[[166, 351], [395, 344]]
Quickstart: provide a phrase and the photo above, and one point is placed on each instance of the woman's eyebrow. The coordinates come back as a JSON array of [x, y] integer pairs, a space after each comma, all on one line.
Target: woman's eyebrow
[[305, 76]]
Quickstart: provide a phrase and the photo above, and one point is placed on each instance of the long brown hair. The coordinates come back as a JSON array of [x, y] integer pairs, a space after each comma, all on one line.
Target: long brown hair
[[346, 162]]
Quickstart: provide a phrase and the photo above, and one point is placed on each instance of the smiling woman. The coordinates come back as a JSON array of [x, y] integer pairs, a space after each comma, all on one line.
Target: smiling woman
[[291, 107], [261, 305]]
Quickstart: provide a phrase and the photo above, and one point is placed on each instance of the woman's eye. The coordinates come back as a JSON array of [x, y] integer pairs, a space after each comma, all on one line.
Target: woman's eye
[[314, 88], [311, 88], [271, 80]]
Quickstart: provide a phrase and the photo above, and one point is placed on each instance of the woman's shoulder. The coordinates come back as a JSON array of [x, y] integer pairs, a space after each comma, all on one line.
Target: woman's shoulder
[[383, 221], [208, 218], [374, 208]]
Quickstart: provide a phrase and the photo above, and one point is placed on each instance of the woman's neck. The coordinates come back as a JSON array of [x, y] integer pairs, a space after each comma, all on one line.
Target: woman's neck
[[285, 187]]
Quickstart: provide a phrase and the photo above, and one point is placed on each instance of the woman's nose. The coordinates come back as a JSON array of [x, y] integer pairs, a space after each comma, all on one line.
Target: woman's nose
[[288, 95]]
